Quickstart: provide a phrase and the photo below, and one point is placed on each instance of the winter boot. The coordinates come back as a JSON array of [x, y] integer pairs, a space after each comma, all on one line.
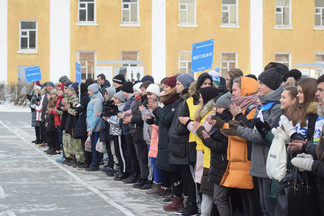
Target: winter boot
[[176, 204]]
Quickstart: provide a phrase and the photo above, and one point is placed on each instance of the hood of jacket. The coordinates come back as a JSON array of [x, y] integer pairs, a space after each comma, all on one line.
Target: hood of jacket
[[249, 86], [97, 96], [272, 96], [120, 106], [312, 108], [193, 88], [207, 108]]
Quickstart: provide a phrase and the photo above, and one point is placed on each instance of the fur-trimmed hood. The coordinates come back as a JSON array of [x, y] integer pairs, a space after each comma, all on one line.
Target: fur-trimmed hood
[[312, 108], [207, 108]]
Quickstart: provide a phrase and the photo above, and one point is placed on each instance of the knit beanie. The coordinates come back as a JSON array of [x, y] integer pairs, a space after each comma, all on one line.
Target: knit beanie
[[119, 78], [154, 89], [215, 77], [282, 69], [202, 78], [67, 84], [94, 88], [128, 87], [224, 101], [54, 91], [171, 81], [60, 87], [295, 73], [75, 87], [147, 78], [50, 83], [208, 93], [185, 79], [137, 87], [64, 79], [111, 91], [271, 78], [119, 95]]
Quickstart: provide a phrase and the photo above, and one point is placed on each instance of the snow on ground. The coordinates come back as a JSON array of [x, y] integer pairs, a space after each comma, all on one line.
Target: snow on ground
[[10, 107]]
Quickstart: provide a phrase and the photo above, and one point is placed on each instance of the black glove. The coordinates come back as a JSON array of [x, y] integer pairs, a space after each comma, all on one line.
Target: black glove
[[262, 127]]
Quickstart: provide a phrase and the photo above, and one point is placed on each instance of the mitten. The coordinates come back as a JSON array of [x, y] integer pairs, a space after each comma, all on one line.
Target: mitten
[[303, 162], [229, 131], [262, 127], [288, 126], [281, 133], [199, 132], [219, 122]]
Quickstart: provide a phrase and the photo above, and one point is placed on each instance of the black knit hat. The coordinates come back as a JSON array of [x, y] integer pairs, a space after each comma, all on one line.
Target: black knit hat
[[282, 69], [119, 78], [208, 93], [202, 78], [271, 78], [295, 73], [128, 87]]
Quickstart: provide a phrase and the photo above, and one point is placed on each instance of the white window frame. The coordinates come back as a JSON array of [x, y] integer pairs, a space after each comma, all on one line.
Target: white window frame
[[319, 68], [284, 53], [221, 61], [231, 25], [94, 63], [184, 61], [321, 26], [130, 23], [86, 8], [188, 24], [28, 50], [283, 26], [130, 65]]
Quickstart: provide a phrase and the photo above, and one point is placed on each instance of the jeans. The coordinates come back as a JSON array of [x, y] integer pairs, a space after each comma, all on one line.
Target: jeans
[[268, 204], [206, 204], [221, 200], [156, 172], [95, 155]]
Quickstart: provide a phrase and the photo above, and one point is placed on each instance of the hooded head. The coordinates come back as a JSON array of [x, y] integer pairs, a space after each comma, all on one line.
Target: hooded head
[[208, 93], [202, 78], [111, 91], [247, 85]]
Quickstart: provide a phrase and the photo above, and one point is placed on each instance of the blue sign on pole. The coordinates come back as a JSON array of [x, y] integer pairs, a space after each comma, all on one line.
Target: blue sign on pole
[[202, 55], [33, 74], [77, 72]]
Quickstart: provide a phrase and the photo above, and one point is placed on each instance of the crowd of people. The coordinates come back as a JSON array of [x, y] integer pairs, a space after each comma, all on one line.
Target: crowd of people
[[201, 145]]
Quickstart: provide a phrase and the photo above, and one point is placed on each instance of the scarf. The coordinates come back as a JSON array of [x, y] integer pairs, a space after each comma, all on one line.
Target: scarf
[[245, 101], [170, 98], [138, 98]]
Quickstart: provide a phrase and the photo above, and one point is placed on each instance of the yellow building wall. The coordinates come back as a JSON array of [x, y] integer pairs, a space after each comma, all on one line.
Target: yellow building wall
[[108, 38], [209, 21], [28, 10], [302, 41]]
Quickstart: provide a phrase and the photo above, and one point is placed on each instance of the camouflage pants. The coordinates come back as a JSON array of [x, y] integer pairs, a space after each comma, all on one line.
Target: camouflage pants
[[78, 151], [67, 146]]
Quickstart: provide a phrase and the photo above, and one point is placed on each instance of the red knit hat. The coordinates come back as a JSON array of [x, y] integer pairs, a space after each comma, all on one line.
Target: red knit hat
[[60, 87], [171, 81]]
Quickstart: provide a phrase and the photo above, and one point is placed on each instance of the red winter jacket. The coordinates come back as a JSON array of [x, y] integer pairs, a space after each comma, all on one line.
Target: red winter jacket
[[57, 117]]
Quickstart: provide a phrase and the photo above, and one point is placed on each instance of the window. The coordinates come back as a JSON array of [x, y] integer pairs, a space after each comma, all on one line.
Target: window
[[283, 58], [130, 12], [27, 35], [87, 62], [130, 55], [319, 13], [185, 61], [229, 12], [228, 62], [187, 12], [87, 11], [282, 12], [319, 58]]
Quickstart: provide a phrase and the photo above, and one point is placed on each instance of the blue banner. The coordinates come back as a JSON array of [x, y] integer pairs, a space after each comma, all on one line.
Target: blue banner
[[77, 72], [202, 56], [33, 74]]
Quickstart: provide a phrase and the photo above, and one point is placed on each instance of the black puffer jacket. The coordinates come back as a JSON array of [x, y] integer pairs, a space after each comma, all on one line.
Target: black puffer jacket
[[80, 129], [109, 109], [179, 152], [138, 122]]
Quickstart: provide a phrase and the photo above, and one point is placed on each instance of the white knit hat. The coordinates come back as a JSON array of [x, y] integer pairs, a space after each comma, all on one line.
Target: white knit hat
[[153, 88], [137, 87]]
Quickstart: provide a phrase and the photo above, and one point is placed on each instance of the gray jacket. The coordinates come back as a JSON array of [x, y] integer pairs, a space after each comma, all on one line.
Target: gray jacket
[[147, 129], [260, 146], [115, 122]]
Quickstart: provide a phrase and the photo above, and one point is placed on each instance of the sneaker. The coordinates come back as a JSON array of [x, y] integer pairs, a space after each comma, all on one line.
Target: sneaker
[[155, 188], [47, 150], [34, 141], [92, 168], [176, 204], [83, 166], [38, 142], [111, 173], [163, 192], [190, 210], [43, 145], [105, 170], [140, 183], [130, 180], [51, 151], [148, 185], [60, 159]]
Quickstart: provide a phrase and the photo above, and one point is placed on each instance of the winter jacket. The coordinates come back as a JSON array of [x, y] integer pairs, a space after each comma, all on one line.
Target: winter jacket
[[154, 144], [128, 105], [39, 109], [109, 109], [70, 118], [179, 137], [50, 122], [115, 122], [103, 87], [138, 122], [270, 112], [44, 104], [34, 101], [80, 129], [164, 117], [93, 108], [57, 117], [147, 128]]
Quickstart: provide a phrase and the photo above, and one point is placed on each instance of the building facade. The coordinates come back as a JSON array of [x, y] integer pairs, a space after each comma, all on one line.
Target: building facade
[[155, 36]]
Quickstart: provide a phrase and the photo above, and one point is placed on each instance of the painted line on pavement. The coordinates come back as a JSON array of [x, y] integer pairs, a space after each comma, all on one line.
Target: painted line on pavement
[[10, 213], [2, 193], [93, 189]]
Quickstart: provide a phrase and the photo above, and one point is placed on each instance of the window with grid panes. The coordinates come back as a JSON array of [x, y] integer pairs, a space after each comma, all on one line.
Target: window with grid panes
[[319, 58], [130, 55], [229, 12], [130, 11], [185, 61], [187, 12], [282, 12], [228, 62], [28, 35], [87, 10], [87, 62], [283, 58], [319, 13]]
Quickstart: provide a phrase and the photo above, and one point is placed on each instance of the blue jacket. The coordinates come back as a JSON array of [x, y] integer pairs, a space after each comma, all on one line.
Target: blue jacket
[[93, 108]]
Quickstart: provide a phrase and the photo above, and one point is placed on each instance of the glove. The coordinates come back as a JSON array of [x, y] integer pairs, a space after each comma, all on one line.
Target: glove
[[199, 132], [234, 124], [219, 122], [303, 162], [288, 126], [229, 131], [262, 127], [278, 132]]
